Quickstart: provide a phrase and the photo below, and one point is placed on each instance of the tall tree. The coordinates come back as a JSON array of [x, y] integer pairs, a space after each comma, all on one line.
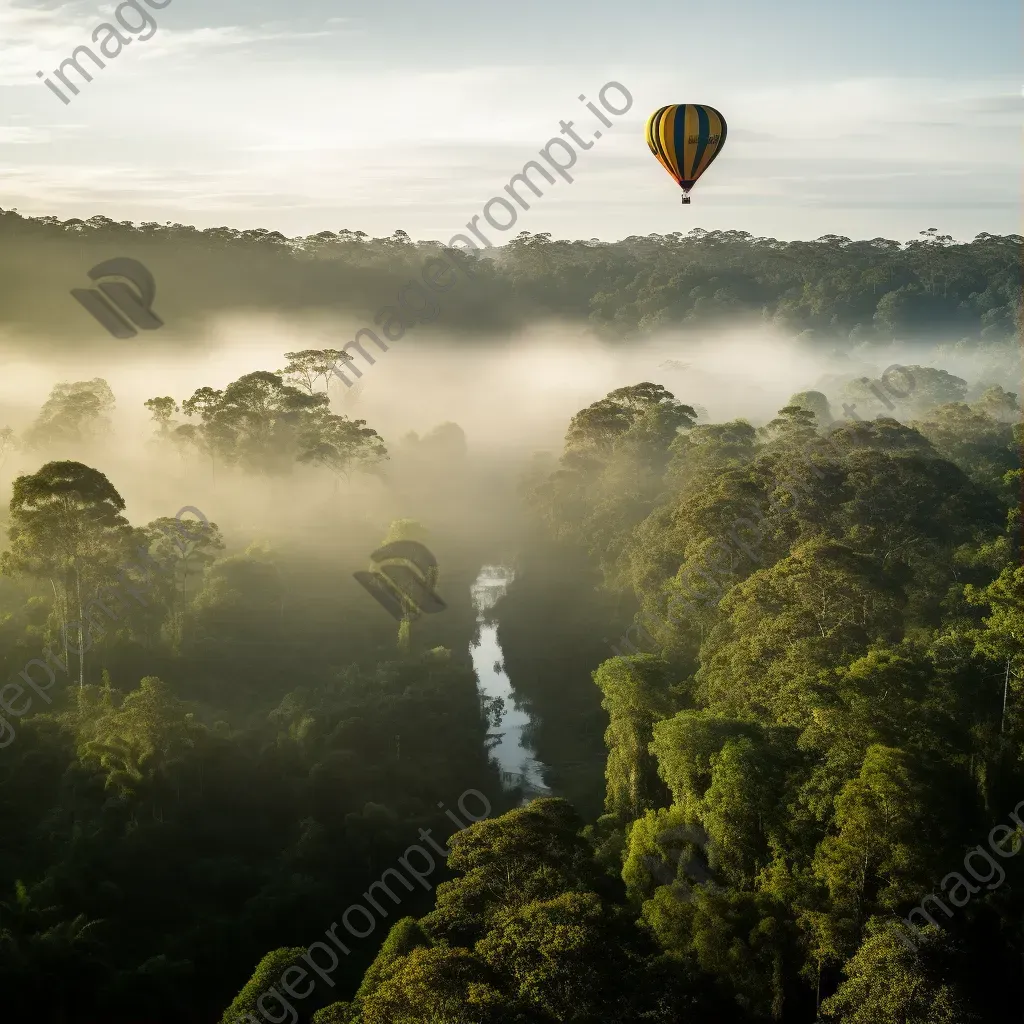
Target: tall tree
[[66, 526], [636, 692], [186, 548], [887, 984], [264, 425], [73, 414]]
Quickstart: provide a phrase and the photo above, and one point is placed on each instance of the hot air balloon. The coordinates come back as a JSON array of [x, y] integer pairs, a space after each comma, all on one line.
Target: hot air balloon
[[686, 138]]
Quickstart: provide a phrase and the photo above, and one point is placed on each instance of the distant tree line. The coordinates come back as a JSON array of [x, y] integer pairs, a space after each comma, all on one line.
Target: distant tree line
[[833, 287]]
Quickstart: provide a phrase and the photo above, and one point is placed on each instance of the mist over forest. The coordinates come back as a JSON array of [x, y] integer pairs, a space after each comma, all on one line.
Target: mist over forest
[[727, 534]]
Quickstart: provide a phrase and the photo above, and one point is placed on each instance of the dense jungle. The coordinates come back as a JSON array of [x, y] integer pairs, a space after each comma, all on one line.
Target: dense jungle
[[721, 718]]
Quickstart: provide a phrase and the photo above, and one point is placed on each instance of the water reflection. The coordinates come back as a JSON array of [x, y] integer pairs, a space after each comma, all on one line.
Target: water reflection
[[512, 752]]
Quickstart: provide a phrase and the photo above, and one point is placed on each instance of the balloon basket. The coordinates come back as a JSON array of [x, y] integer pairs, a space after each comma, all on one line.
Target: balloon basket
[[686, 200]]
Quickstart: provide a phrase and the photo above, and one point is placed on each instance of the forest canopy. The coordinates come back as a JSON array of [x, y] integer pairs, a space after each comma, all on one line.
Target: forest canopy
[[832, 288], [760, 752]]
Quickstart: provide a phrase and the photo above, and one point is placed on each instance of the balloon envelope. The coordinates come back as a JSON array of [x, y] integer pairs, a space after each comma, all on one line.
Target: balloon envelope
[[686, 138]]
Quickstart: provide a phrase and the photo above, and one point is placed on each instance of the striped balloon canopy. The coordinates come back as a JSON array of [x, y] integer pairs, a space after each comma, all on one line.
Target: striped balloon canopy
[[686, 138]]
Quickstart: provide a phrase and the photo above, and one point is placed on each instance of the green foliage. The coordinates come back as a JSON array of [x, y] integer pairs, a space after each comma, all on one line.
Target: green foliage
[[336, 1013], [636, 693], [74, 415], [978, 443], [534, 853], [870, 861], [565, 958], [438, 984], [263, 984], [833, 703], [833, 287], [887, 984], [168, 832], [830, 715], [548, 940], [616, 452], [405, 936], [139, 740], [782, 626], [814, 402], [263, 425], [654, 855], [66, 526]]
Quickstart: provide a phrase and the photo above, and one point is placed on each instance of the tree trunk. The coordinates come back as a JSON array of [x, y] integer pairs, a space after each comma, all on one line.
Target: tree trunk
[[1006, 690], [179, 606], [63, 617], [81, 629]]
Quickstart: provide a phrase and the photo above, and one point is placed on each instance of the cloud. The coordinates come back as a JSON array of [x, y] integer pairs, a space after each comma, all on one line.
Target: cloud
[[230, 124], [34, 38], [748, 135], [994, 105], [21, 136]]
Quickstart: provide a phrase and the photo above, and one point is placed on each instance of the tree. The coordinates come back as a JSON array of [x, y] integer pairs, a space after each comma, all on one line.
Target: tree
[[404, 937], [743, 810], [794, 425], [247, 1005], [532, 853], [211, 436], [261, 416], [241, 602], [567, 958], [162, 410], [814, 402], [686, 746], [73, 414], [610, 473], [1003, 635], [139, 743], [443, 446], [337, 1013], [8, 444], [816, 609], [594, 429], [340, 444], [709, 450], [887, 984], [186, 548], [66, 526], [266, 426], [303, 367], [440, 984], [932, 387], [978, 443], [663, 850], [999, 404], [875, 860], [636, 693]]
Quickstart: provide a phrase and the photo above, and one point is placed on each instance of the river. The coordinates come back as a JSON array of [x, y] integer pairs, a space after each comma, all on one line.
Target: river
[[512, 751]]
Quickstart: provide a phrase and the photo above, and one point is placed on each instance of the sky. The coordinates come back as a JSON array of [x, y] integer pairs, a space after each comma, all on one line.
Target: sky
[[882, 117]]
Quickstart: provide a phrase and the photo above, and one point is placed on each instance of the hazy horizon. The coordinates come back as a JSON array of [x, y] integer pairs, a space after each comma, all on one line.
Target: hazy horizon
[[235, 114]]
